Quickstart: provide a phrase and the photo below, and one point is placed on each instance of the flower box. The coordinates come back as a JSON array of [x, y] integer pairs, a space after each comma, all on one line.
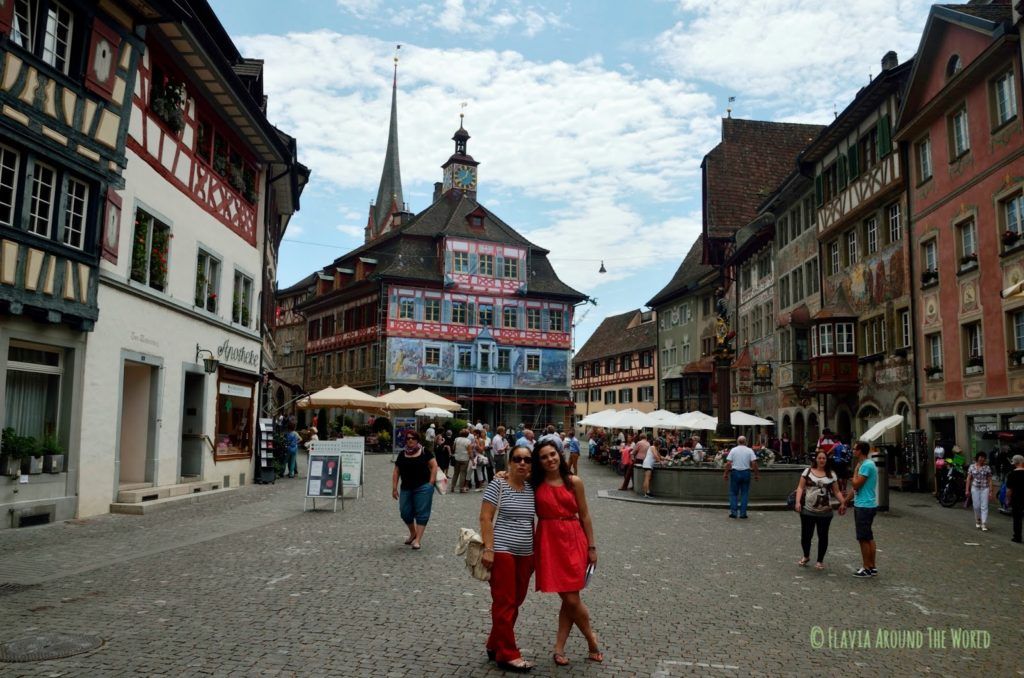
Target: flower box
[[928, 277], [53, 463], [1016, 357], [32, 465], [932, 370], [975, 361], [1010, 238], [10, 465]]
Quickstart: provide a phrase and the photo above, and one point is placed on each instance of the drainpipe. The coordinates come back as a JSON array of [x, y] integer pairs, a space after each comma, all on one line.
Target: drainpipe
[[905, 169]]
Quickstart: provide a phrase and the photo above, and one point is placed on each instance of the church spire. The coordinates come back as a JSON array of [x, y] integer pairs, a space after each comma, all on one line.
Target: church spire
[[389, 194]]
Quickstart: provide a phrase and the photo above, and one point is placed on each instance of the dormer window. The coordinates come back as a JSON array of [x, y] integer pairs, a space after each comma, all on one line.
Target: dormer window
[[476, 221]]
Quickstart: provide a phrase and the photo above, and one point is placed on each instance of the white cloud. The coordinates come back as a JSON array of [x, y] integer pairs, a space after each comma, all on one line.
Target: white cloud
[[793, 56], [360, 9], [351, 230]]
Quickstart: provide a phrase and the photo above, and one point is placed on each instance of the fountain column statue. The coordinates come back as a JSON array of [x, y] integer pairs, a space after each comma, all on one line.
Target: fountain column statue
[[723, 354]]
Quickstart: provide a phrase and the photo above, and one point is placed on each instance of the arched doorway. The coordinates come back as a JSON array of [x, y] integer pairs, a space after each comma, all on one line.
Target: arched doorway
[[867, 417], [787, 426], [799, 437]]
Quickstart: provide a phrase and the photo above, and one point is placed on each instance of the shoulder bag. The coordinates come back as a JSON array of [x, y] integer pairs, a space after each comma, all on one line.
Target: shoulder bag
[[471, 544]]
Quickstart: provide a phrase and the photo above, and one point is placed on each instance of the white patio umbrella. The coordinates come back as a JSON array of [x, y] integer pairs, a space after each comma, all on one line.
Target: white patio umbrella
[[632, 419], [436, 400], [665, 419], [698, 421], [876, 431], [598, 418], [744, 419], [434, 413], [343, 397], [402, 400]]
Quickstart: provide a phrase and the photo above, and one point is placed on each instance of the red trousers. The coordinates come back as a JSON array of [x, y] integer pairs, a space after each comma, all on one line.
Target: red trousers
[[510, 580]]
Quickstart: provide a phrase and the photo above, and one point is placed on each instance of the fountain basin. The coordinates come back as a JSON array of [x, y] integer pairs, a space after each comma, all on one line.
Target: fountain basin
[[703, 484]]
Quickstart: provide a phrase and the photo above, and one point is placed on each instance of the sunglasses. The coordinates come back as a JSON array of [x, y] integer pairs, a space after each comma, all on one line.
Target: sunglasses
[[521, 460]]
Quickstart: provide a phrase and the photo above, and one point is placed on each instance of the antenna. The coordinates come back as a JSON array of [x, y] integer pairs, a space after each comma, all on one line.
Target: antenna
[[728, 110], [462, 111], [394, 82], [835, 111]]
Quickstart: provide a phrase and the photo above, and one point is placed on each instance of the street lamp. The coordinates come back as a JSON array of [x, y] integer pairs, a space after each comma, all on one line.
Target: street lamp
[[209, 364]]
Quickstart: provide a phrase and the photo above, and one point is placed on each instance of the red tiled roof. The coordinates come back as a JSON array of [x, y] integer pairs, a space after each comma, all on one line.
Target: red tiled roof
[[614, 336], [753, 158]]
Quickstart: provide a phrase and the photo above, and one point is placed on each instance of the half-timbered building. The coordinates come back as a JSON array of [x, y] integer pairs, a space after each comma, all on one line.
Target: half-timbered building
[[861, 340], [961, 122], [175, 363], [452, 299], [68, 71], [617, 367]]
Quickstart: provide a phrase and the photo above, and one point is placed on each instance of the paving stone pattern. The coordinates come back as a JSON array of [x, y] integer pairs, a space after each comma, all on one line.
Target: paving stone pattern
[[249, 585]]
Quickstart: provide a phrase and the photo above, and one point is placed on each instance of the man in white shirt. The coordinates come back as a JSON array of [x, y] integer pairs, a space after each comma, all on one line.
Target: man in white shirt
[[429, 437], [499, 450], [738, 464]]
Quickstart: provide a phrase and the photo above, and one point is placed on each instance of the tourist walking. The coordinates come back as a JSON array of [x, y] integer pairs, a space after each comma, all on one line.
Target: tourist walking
[[291, 443], [652, 457], [979, 489], [565, 545], [526, 439], [818, 484], [412, 484], [639, 453], [739, 463], [460, 455], [573, 445], [499, 449], [430, 437], [626, 461], [443, 451], [1015, 495], [506, 527], [865, 505]]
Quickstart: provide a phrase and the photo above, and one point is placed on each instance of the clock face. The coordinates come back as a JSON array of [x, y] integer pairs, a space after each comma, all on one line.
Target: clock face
[[465, 177]]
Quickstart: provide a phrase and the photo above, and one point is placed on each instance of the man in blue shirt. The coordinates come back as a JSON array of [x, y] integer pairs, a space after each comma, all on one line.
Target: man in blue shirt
[[865, 504], [574, 452]]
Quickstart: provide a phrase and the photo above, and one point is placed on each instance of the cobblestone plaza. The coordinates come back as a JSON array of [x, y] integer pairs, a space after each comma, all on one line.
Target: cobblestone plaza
[[247, 584]]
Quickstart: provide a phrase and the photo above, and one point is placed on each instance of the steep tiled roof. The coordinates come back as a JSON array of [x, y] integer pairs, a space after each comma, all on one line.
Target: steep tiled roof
[[300, 286], [748, 165], [997, 11], [689, 274], [614, 336], [448, 216]]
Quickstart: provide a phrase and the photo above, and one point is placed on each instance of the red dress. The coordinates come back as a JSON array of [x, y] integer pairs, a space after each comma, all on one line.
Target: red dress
[[559, 543]]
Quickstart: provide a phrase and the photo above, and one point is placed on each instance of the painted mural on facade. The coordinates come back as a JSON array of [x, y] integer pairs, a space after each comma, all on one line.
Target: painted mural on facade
[[481, 365]]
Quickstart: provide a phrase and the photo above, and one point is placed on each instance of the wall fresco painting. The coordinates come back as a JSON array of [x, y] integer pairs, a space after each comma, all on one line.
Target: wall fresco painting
[[405, 365]]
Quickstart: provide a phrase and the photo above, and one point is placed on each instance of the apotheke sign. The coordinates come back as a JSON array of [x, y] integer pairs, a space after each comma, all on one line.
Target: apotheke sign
[[238, 354]]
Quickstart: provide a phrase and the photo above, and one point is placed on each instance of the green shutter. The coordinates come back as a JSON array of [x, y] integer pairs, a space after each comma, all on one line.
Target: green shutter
[[884, 137], [842, 171], [853, 161], [819, 194]]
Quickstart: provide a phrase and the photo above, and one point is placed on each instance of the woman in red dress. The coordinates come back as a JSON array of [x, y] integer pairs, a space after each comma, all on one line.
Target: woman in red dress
[[564, 545]]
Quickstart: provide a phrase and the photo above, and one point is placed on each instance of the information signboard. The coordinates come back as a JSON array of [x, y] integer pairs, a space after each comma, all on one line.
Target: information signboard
[[324, 476], [351, 450]]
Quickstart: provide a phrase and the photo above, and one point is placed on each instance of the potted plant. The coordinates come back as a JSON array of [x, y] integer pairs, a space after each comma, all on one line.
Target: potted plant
[[12, 449], [1010, 238], [933, 370], [1016, 357], [211, 302], [168, 104], [975, 361], [968, 259], [245, 316], [929, 276], [25, 449], [53, 455]]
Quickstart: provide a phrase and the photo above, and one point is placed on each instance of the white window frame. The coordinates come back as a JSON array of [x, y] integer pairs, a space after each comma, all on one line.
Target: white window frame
[[10, 163], [57, 52], [553, 315], [243, 290], [510, 268], [968, 234], [1005, 98], [460, 262], [432, 310], [36, 216], [852, 248], [38, 368], [510, 317], [211, 266], [460, 352], [486, 265], [462, 318], [905, 328], [533, 319], [895, 227], [845, 341], [833, 255], [1013, 213], [930, 255], [526, 362], [871, 226], [76, 211], [1018, 330], [975, 345], [961, 134], [24, 13], [924, 158], [406, 308], [825, 340], [431, 349], [481, 309], [503, 360]]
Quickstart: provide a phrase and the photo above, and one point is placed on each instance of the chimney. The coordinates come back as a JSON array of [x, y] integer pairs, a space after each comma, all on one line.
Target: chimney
[[437, 190], [890, 61]]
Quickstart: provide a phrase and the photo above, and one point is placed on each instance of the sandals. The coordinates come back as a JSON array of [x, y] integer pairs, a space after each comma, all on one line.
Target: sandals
[[560, 659], [409, 541], [803, 562], [596, 656], [517, 666], [415, 547], [819, 566]]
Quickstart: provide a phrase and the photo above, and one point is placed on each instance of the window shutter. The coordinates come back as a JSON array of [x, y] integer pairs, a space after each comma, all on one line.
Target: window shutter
[[101, 69], [819, 194], [853, 163], [842, 171], [470, 313], [884, 137], [521, 317], [499, 266], [446, 311], [6, 16], [418, 312], [448, 262], [565, 321], [474, 263]]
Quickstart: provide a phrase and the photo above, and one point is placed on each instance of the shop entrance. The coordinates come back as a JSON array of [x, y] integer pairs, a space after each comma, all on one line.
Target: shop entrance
[[192, 439], [137, 438]]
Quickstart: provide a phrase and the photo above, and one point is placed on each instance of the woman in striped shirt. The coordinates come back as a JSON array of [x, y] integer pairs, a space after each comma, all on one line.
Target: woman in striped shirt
[[506, 526]]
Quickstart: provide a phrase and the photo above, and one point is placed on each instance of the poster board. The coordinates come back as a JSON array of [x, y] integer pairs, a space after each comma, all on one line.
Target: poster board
[[351, 450], [322, 480], [402, 426], [265, 452]]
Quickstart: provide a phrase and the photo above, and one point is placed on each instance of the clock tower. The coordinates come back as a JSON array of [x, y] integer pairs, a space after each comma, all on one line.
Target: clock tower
[[460, 168]]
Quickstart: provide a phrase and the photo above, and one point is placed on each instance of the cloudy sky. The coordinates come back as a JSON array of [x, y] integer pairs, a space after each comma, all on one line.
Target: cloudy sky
[[589, 118]]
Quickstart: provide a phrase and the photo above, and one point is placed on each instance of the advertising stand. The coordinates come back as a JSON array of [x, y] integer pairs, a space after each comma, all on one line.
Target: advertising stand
[[265, 453], [324, 474], [350, 453]]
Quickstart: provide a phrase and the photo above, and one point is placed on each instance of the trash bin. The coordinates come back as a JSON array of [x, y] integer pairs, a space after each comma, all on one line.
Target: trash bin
[[882, 489]]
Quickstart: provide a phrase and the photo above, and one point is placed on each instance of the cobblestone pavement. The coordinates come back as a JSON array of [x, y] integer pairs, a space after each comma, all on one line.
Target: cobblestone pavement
[[250, 585]]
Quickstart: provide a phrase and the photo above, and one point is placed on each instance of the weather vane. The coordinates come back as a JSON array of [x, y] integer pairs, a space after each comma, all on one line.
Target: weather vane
[[462, 112]]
